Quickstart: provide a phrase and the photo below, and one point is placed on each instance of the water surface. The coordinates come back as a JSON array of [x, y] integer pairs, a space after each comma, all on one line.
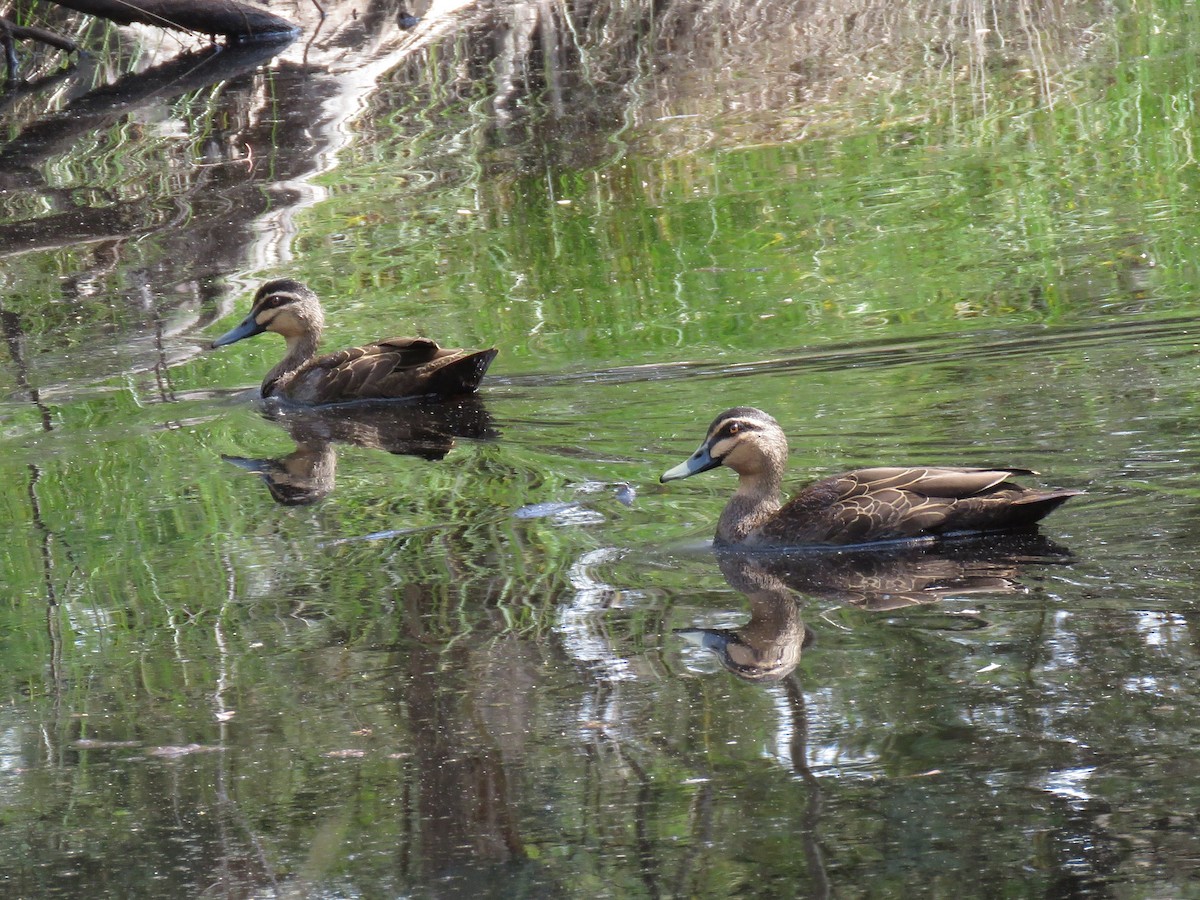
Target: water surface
[[496, 656]]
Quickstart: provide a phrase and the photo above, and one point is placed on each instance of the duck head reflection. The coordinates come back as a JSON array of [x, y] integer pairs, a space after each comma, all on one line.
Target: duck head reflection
[[418, 428], [304, 476], [769, 646]]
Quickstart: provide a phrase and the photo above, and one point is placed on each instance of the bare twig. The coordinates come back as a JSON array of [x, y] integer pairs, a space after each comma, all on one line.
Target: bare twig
[[10, 32], [31, 33]]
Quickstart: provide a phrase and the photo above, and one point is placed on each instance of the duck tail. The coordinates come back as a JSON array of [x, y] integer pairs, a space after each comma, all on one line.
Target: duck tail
[[1039, 504], [462, 375]]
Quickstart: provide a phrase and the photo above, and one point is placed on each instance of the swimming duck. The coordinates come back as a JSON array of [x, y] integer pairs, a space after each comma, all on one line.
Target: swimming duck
[[878, 504], [386, 370]]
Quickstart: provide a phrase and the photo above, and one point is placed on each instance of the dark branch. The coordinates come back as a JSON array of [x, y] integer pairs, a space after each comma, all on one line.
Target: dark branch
[[230, 18], [30, 33]]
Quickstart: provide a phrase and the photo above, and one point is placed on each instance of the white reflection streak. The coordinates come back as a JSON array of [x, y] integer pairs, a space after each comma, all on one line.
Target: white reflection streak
[[1062, 645], [12, 757], [352, 86], [784, 730], [1069, 783], [580, 622], [827, 719], [1160, 628]]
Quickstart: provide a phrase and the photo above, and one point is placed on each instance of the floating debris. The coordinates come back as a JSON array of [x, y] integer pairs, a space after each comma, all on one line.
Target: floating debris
[[90, 744], [170, 752], [544, 510]]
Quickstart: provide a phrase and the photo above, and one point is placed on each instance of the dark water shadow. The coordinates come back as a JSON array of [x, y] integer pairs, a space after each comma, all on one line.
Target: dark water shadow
[[308, 474]]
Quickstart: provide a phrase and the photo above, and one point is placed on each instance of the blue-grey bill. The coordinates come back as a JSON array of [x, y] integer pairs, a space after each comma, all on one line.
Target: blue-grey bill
[[698, 462], [703, 637], [248, 328]]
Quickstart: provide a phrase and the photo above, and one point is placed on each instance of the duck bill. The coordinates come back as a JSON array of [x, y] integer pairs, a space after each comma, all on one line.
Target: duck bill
[[698, 462], [248, 328], [705, 638]]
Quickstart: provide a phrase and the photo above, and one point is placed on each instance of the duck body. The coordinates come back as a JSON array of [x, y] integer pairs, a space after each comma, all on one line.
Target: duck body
[[385, 370], [391, 369], [885, 503]]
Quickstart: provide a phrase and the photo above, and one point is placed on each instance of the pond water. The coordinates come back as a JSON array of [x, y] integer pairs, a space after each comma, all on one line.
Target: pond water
[[478, 649]]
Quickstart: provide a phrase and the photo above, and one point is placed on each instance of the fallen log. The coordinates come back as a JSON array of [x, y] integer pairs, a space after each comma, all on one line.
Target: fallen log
[[229, 18]]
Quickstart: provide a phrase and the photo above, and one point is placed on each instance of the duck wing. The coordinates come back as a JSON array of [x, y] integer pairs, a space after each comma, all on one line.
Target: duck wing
[[394, 368], [887, 503]]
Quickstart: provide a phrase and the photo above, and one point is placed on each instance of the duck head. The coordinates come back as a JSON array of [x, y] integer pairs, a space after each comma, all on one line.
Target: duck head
[[745, 439], [283, 306]]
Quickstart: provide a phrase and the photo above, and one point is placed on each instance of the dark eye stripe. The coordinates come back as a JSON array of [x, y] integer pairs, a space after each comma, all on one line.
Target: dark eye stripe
[[274, 301]]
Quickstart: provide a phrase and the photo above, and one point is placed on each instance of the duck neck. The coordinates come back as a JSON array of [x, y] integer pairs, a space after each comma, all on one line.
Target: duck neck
[[300, 349], [755, 501]]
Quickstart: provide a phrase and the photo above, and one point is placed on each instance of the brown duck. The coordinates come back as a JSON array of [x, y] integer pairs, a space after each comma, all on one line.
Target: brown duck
[[866, 505], [386, 370]]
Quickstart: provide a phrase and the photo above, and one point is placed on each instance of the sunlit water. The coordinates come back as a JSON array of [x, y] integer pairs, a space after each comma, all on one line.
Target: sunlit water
[[497, 656]]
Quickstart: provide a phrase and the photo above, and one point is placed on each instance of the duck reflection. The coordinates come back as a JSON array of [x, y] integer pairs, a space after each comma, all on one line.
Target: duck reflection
[[419, 428], [911, 575], [304, 476], [769, 646]]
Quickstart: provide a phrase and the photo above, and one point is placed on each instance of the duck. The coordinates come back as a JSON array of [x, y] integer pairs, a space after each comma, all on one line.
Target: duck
[[885, 503], [395, 368]]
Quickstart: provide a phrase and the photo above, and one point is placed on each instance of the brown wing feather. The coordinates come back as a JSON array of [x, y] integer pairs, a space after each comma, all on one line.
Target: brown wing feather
[[390, 354], [931, 482], [394, 368], [889, 503]]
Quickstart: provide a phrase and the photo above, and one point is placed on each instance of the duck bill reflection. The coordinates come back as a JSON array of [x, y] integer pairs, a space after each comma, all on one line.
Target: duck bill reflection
[[303, 477], [248, 328], [700, 461]]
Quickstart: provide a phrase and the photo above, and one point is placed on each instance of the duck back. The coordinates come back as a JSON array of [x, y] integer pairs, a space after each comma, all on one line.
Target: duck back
[[899, 503], [390, 369]]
